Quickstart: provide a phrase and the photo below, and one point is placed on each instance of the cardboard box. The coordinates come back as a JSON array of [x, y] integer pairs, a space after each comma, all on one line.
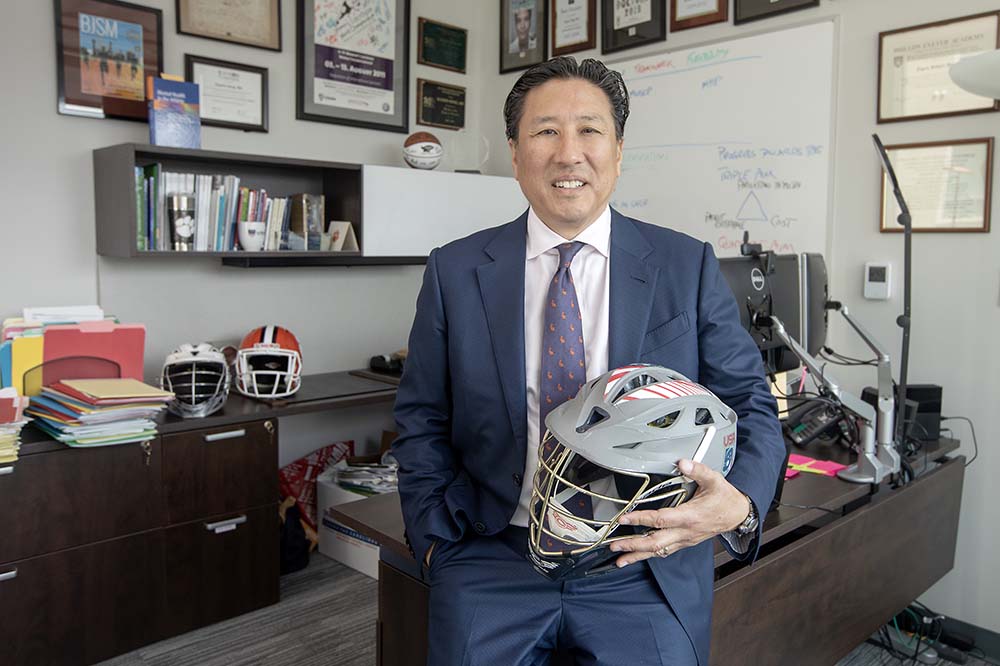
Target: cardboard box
[[338, 541]]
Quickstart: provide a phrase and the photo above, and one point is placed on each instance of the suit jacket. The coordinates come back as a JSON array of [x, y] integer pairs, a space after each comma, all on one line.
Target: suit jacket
[[461, 405]]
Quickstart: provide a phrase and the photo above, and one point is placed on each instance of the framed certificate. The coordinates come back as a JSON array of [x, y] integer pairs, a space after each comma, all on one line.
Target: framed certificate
[[441, 45], [352, 63], [913, 64], [232, 94], [753, 10], [440, 105], [523, 40], [574, 26], [254, 23], [685, 14], [631, 23], [946, 184]]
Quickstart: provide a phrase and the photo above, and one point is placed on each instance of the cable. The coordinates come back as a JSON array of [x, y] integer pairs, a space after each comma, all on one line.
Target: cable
[[982, 656], [806, 506], [972, 427]]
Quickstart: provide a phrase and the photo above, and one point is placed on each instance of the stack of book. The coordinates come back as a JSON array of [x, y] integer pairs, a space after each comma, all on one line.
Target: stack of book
[[99, 412], [11, 421], [365, 478]]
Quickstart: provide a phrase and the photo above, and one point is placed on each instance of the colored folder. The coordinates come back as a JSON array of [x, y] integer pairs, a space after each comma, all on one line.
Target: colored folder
[[123, 344]]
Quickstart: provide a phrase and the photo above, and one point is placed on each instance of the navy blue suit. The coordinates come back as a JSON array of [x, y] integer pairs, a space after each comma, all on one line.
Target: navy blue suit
[[461, 405]]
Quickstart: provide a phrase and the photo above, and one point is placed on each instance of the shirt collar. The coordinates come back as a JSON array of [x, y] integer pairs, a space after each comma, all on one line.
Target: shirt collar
[[541, 238]]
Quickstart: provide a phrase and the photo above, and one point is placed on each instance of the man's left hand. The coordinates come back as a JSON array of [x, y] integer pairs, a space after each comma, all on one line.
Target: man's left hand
[[717, 507]]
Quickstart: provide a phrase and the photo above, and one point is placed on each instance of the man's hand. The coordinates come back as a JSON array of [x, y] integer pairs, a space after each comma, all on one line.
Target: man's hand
[[717, 507]]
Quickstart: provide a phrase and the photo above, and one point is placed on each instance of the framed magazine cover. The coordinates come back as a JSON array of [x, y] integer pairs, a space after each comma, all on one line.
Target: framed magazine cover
[[523, 34], [628, 24], [105, 49]]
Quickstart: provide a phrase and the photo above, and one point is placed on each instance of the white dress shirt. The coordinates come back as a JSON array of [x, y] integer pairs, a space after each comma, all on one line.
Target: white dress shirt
[[591, 277]]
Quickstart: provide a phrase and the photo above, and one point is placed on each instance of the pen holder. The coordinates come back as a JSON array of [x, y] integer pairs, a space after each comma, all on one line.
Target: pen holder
[[251, 235]]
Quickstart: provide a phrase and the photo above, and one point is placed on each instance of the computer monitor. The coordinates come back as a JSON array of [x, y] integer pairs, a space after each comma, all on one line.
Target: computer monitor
[[815, 294]]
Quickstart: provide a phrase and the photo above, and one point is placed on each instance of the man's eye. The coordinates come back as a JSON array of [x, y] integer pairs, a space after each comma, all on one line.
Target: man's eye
[[546, 131], [590, 130]]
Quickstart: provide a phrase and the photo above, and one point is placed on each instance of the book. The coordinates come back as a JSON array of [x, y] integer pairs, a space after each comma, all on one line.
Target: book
[[174, 116]]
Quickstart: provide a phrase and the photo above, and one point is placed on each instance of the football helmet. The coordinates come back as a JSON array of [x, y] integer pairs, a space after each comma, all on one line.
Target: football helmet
[[613, 449], [198, 376], [268, 363]]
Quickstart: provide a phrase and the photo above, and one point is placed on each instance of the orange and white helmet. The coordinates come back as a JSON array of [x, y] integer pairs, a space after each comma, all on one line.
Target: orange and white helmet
[[268, 363]]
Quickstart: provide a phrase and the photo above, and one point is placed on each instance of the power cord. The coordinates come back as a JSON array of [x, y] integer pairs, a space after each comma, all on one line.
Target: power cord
[[972, 427], [806, 506]]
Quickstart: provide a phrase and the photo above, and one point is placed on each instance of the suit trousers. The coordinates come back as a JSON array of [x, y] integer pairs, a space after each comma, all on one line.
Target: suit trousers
[[489, 606]]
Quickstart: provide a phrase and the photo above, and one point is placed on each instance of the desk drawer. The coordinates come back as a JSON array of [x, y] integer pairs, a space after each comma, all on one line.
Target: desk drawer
[[70, 497], [220, 470], [221, 567]]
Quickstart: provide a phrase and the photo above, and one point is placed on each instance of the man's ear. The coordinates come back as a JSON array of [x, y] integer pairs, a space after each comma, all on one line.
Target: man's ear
[[512, 144], [618, 160]]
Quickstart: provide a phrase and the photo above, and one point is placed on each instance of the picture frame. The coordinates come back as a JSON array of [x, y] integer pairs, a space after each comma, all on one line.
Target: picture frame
[[105, 49], [523, 34], [687, 14], [573, 26], [232, 94], [441, 45], [440, 104], [745, 11], [256, 23], [345, 77], [947, 185], [628, 24], [913, 63]]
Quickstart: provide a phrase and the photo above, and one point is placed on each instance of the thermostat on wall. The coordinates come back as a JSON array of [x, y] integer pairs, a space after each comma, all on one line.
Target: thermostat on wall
[[877, 283]]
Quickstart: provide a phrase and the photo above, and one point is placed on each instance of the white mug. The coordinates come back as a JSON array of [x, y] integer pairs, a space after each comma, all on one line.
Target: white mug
[[251, 234]]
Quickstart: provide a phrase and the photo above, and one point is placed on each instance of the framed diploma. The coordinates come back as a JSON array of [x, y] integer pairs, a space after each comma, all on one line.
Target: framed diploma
[[574, 26], [947, 185], [913, 63], [686, 14], [105, 49], [753, 10], [441, 45], [631, 23], [232, 94], [254, 23], [440, 105], [352, 63], [523, 29]]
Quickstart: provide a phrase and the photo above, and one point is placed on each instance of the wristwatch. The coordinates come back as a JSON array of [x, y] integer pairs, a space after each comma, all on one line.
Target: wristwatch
[[749, 524]]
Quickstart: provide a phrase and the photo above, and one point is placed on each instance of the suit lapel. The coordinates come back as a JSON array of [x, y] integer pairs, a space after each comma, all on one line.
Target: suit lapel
[[501, 283], [633, 284]]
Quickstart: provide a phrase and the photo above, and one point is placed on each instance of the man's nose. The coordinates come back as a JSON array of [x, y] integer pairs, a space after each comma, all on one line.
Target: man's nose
[[570, 150]]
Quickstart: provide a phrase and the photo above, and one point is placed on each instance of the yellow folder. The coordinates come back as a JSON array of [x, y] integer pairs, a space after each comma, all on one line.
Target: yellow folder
[[25, 354], [125, 387]]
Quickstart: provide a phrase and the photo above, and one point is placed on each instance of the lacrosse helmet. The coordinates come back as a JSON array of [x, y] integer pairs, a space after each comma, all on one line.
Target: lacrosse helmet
[[268, 363], [613, 449], [198, 376]]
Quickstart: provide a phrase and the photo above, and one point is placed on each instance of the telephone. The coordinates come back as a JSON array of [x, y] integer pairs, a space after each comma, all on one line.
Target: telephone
[[810, 420]]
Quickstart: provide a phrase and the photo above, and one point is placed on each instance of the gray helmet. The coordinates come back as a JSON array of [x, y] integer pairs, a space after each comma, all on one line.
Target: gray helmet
[[613, 449], [198, 376]]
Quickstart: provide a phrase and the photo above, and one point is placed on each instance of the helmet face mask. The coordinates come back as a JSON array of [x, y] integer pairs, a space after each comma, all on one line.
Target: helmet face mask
[[268, 364], [198, 376]]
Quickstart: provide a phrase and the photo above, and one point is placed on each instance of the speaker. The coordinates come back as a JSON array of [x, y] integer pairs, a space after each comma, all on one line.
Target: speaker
[[926, 425]]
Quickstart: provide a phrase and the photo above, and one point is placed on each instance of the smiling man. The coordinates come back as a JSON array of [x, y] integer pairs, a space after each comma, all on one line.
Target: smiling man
[[478, 384]]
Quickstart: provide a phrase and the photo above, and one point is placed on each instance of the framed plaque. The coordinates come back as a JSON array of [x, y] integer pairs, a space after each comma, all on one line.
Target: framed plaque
[[522, 34], [254, 23], [441, 45], [754, 10], [105, 49], [947, 185], [440, 104], [685, 14], [913, 64], [352, 63], [574, 26], [631, 23], [232, 94]]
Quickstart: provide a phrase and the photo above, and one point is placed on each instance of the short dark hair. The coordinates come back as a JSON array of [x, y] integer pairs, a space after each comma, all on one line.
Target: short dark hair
[[566, 67]]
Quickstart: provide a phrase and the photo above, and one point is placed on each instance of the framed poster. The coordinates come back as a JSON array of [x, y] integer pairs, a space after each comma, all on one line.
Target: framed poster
[[913, 64], [946, 184], [254, 23], [232, 94], [441, 45], [523, 32], [352, 63], [685, 14], [574, 26], [105, 49], [440, 104], [631, 23], [753, 10]]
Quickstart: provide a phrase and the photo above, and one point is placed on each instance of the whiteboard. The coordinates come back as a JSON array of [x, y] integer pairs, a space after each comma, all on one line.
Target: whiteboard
[[733, 136]]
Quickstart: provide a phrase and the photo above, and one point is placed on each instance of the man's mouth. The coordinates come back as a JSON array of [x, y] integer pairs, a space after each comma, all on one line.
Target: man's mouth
[[568, 184]]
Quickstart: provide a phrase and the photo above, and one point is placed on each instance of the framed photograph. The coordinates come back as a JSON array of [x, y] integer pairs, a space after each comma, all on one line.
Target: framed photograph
[[946, 184], [105, 49], [232, 94], [441, 45], [913, 63], [753, 10], [627, 24], [440, 104], [523, 31], [574, 26], [352, 63], [685, 14], [254, 23]]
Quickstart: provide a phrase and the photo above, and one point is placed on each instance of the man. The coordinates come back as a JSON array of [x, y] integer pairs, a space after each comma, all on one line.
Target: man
[[469, 416], [523, 40]]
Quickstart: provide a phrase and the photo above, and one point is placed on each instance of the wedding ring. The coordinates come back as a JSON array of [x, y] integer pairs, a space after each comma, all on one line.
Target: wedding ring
[[662, 552]]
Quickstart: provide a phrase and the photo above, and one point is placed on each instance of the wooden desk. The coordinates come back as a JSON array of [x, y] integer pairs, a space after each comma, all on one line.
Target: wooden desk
[[837, 576]]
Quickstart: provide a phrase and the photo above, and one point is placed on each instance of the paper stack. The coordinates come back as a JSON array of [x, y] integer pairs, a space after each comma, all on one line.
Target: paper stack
[[99, 412], [11, 421], [367, 479]]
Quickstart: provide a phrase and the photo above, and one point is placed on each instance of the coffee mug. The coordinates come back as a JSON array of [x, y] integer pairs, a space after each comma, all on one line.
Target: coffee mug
[[251, 234]]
